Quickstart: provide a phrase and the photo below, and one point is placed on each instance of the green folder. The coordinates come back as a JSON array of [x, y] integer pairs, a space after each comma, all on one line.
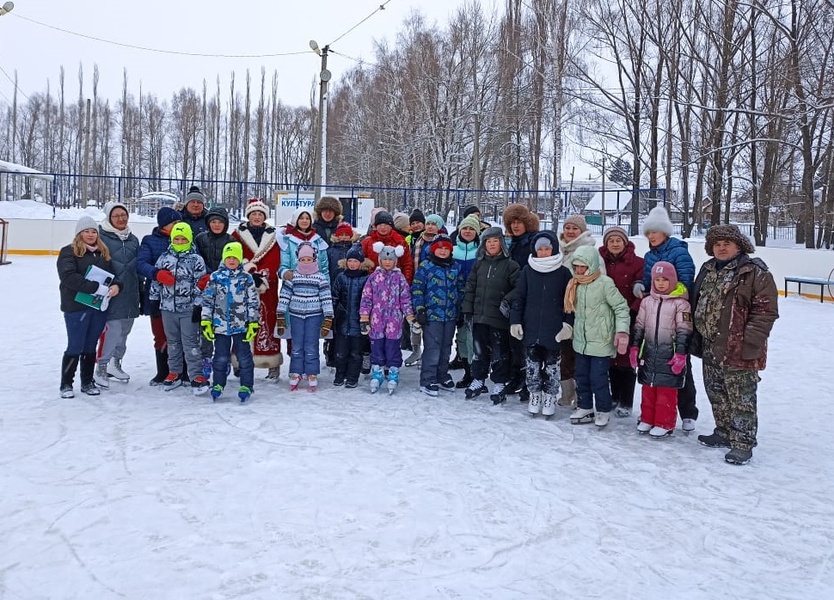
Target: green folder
[[96, 301]]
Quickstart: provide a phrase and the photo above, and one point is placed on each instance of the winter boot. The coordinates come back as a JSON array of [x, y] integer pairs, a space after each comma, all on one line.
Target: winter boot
[[737, 456], [535, 404], [548, 405], [376, 378], [467, 376], [475, 389], [581, 416], [498, 394], [100, 376], [161, 368], [274, 373], [714, 440], [393, 379], [88, 367], [114, 370], [69, 364], [568, 393], [244, 393]]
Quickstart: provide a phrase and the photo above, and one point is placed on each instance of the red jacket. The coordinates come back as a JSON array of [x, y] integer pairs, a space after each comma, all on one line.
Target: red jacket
[[392, 239], [625, 269]]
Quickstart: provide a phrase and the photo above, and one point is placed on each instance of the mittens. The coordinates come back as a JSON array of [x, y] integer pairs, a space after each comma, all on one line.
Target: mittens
[[565, 333], [326, 326], [165, 277], [196, 314], [364, 327], [422, 318], [208, 330], [678, 363], [633, 357], [258, 279], [251, 332], [517, 331], [621, 342], [280, 326], [638, 289], [203, 281]]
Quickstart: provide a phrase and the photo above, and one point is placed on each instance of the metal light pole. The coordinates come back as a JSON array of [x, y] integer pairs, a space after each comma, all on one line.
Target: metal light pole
[[6, 8], [321, 151]]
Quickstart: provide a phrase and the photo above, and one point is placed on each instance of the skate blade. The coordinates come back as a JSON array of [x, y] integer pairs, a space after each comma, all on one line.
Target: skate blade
[[582, 421]]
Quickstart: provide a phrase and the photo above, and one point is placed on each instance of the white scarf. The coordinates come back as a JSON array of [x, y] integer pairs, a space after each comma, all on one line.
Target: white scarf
[[122, 234], [548, 264]]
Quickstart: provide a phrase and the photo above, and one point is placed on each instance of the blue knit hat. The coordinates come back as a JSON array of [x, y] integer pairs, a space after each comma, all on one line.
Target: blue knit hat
[[166, 216], [437, 220], [355, 252]]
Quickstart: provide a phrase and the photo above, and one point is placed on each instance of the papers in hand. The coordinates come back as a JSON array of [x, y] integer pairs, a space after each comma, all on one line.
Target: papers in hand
[[100, 300]]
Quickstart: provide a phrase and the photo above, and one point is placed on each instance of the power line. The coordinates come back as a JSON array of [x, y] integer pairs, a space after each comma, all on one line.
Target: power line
[[2, 70], [156, 50], [381, 7]]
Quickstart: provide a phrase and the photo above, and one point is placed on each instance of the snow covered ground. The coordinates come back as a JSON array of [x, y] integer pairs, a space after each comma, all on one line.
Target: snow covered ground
[[341, 494]]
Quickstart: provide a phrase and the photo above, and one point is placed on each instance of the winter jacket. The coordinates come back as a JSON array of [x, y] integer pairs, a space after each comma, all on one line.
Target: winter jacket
[[198, 224], [734, 309], [289, 239], [306, 296], [663, 329], [151, 248], [123, 260], [404, 263], [601, 311], [326, 229], [625, 269], [71, 271], [209, 244], [567, 249], [464, 255], [347, 297], [421, 249], [230, 301], [337, 252], [437, 289], [386, 299], [187, 268], [491, 281], [539, 303], [521, 247], [674, 251]]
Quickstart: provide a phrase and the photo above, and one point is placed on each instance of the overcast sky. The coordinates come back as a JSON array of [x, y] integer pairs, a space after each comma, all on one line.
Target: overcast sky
[[211, 27]]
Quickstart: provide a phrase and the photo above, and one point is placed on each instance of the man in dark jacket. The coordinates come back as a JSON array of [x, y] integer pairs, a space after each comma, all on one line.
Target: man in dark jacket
[[734, 306], [194, 212], [327, 214]]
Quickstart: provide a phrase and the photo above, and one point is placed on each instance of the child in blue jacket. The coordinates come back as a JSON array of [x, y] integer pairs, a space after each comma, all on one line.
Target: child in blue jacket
[[436, 294], [348, 340]]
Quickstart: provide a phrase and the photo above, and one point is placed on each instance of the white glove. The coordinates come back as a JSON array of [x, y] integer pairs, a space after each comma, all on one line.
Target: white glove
[[516, 331], [102, 290], [639, 290], [565, 333]]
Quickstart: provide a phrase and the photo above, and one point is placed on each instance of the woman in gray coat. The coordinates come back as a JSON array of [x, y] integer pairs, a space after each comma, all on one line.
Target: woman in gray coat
[[124, 308]]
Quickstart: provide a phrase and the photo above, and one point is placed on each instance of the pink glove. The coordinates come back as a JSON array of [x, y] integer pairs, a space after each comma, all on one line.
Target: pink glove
[[633, 357], [621, 342], [677, 363]]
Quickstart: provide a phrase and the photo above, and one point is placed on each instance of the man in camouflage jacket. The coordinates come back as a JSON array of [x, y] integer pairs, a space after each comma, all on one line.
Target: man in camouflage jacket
[[734, 303]]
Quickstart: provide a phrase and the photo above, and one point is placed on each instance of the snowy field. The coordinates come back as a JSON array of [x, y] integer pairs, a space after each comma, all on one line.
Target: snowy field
[[341, 495]]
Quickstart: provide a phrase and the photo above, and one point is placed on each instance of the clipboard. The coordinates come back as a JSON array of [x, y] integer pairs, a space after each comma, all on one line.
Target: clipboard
[[101, 277]]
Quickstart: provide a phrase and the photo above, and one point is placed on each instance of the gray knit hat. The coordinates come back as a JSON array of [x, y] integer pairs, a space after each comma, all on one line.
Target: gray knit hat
[[194, 193], [85, 222]]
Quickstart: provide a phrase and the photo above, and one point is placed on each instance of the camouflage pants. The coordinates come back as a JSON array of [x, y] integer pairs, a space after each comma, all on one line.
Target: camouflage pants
[[732, 394], [542, 370]]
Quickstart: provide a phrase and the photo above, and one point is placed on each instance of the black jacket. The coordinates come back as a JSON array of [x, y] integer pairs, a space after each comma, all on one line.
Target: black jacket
[[539, 306], [71, 271], [490, 282]]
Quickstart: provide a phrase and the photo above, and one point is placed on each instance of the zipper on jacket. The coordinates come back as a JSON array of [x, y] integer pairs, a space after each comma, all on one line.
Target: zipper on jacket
[[656, 341]]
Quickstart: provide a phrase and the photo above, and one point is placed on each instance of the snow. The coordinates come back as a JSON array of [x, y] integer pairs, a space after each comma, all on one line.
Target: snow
[[32, 209], [140, 493]]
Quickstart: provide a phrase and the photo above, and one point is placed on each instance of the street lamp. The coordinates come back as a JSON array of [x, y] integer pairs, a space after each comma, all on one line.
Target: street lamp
[[6, 8], [321, 151]]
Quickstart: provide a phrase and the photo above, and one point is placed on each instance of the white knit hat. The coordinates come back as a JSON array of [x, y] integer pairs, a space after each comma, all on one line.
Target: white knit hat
[[257, 204], [658, 220]]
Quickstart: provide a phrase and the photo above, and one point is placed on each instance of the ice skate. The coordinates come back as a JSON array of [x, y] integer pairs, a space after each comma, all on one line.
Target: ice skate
[[623, 411], [376, 378], [114, 370], [658, 433], [601, 419], [498, 394], [216, 392], [100, 376], [430, 390], [581, 416], [475, 389], [714, 440], [295, 379], [687, 425], [199, 385], [535, 404], [274, 374], [171, 382], [414, 358], [66, 391], [91, 389], [643, 428], [243, 393], [393, 379], [312, 383]]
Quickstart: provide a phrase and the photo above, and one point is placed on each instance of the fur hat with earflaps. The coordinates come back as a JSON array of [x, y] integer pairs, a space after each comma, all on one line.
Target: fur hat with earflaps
[[519, 212], [727, 233], [325, 203]]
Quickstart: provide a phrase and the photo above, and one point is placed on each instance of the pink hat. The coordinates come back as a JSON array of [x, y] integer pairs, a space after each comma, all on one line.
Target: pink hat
[[304, 250], [665, 270]]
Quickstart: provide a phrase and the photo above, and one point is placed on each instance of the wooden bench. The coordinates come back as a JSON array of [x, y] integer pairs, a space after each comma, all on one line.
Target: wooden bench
[[810, 281]]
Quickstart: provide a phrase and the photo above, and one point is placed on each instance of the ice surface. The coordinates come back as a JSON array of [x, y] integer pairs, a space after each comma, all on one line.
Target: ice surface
[[340, 494]]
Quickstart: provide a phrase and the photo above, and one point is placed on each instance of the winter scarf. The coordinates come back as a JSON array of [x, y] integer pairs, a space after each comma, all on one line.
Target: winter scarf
[[545, 265], [304, 236], [570, 294], [122, 234]]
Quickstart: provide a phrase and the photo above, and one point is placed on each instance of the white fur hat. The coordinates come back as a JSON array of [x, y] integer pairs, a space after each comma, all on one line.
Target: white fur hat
[[387, 252], [257, 204], [658, 220]]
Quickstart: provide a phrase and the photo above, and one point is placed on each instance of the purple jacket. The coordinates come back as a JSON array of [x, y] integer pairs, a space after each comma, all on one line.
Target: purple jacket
[[387, 299]]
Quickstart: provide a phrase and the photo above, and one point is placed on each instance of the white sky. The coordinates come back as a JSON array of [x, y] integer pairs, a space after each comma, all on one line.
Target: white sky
[[242, 27]]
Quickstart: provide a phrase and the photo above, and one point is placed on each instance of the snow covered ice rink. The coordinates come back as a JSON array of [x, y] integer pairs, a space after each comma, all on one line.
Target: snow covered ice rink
[[340, 494]]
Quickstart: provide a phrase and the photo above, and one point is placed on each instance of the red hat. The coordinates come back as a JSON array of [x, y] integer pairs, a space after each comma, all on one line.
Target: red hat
[[344, 229], [441, 241]]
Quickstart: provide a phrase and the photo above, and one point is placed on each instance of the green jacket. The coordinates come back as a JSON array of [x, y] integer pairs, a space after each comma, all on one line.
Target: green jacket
[[601, 311]]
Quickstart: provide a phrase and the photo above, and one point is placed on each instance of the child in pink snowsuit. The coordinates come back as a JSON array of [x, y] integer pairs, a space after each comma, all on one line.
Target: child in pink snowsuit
[[386, 299], [661, 341]]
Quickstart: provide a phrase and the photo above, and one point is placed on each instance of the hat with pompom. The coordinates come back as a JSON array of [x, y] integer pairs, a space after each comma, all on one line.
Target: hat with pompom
[[355, 252], [256, 204], [388, 252]]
